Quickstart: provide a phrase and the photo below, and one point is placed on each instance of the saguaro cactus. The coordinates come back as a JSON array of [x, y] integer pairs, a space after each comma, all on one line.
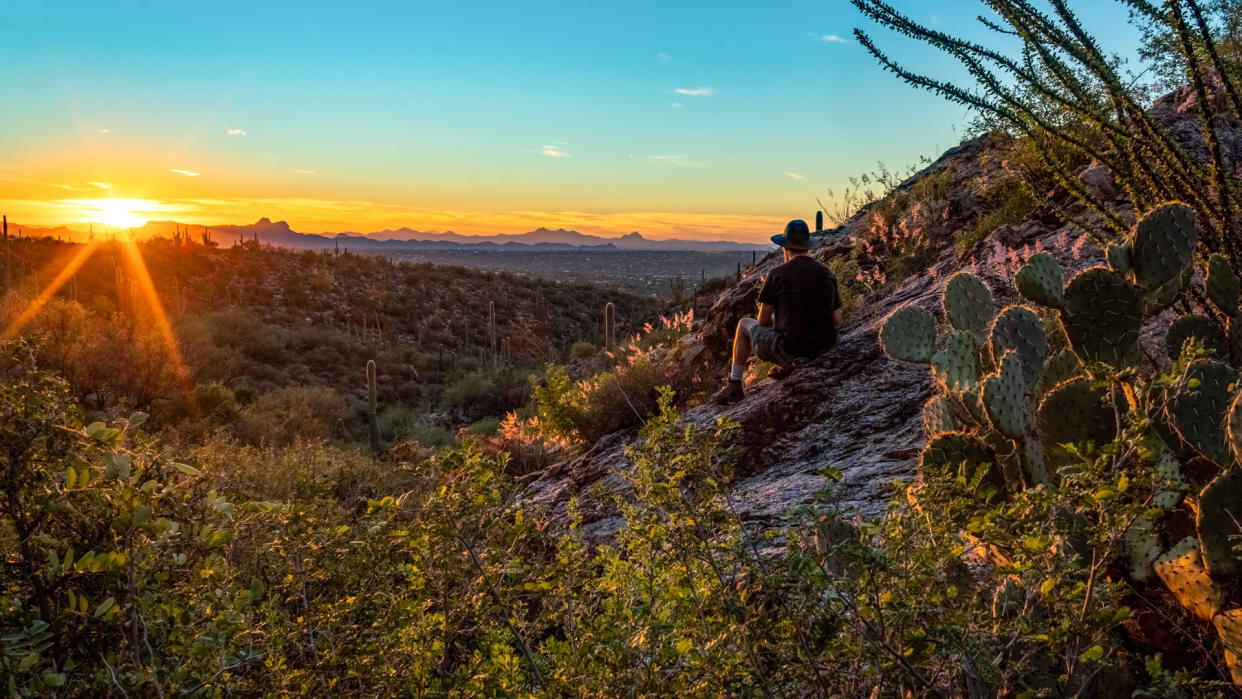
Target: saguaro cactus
[[610, 324], [372, 406], [8, 258]]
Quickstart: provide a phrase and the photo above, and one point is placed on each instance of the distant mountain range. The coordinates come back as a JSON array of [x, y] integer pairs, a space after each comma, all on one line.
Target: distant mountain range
[[279, 234]]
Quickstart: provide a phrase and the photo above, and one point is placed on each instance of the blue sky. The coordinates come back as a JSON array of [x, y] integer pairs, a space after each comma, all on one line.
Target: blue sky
[[603, 117]]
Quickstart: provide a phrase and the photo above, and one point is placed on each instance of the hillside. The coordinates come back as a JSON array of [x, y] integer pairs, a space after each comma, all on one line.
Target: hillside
[[256, 320]]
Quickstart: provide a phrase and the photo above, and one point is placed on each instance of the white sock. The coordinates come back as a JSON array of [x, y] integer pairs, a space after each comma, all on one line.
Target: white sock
[[738, 372]]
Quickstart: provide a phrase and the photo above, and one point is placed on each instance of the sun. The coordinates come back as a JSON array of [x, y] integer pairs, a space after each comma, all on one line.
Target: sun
[[116, 212]]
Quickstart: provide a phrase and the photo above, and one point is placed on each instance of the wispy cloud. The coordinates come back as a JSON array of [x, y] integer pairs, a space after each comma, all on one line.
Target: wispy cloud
[[305, 172], [794, 175], [676, 105], [829, 38], [236, 132], [553, 151], [935, 19], [680, 160], [102, 185], [105, 131], [664, 57], [187, 173], [696, 91]]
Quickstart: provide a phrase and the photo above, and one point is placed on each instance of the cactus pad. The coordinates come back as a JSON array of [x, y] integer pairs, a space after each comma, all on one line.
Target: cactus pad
[[1077, 411], [1181, 569], [1219, 522], [909, 334], [1233, 427], [1229, 625], [1163, 296], [1164, 241], [1040, 281], [1222, 285], [956, 366], [1198, 404], [1102, 316], [1004, 397], [1119, 258], [1168, 482], [1018, 329], [1201, 328], [967, 303], [1142, 546], [938, 416], [1059, 368], [1233, 337]]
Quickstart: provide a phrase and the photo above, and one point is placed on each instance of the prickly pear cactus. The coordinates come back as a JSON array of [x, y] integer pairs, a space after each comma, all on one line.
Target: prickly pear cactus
[[938, 416], [967, 303], [909, 334], [1233, 337], [1222, 285], [1163, 296], [1102, 316], [1219, 523], [1181, 569], [1060, 367], [1198, 404], [1040, 281], [1233, 427], [1017, 329], [956, 366], [1169, 484], [1229, 625], [1077, 411], [1004, 397], [1119, 258], [1164, 243], [1142, 546], [1197, 327]]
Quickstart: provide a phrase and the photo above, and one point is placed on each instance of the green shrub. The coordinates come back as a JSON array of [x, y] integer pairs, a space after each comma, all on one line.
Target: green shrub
[[297, 412], [487, 427], [582, 350]]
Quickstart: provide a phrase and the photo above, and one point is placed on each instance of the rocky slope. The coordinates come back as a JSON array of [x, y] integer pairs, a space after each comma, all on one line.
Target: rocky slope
[[854, 408]]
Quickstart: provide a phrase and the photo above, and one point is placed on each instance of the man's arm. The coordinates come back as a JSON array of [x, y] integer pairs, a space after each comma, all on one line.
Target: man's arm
[[836, 317], [766, 317]]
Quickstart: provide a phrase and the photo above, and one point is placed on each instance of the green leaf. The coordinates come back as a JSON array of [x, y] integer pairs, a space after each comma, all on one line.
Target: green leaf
[[684, 646], [1093, 654], [53, 679], [187, 469], [104, 606]]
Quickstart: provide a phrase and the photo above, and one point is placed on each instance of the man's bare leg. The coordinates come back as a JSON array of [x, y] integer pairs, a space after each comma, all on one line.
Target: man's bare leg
[[741, 341], [732, 392]]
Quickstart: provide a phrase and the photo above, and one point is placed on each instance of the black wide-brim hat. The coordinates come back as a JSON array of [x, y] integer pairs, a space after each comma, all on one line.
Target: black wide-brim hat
[[797, 236]]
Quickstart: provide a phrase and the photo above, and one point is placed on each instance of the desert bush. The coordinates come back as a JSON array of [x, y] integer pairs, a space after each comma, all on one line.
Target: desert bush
[[297, 412], [582, 350]]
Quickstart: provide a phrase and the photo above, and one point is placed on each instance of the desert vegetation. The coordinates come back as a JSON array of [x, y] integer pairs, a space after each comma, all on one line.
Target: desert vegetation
[[308, 473]]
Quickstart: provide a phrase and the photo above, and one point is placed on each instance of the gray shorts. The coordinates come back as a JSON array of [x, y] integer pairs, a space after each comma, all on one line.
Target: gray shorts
[[768, 345]]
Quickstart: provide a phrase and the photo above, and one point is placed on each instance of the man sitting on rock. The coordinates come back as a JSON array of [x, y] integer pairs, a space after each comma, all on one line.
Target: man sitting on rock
[[799, 311]]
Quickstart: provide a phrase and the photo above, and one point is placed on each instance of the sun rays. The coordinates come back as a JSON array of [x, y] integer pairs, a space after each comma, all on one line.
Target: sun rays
[[146, 308]]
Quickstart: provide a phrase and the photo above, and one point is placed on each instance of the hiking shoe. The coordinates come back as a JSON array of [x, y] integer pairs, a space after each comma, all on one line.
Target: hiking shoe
[[731, 393]]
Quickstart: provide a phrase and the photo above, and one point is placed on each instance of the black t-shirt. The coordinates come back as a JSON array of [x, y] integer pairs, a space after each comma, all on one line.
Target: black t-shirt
[[803, 294]]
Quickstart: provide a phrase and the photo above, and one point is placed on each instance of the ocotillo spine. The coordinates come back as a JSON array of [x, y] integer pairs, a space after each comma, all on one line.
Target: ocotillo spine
[[372, 406]]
